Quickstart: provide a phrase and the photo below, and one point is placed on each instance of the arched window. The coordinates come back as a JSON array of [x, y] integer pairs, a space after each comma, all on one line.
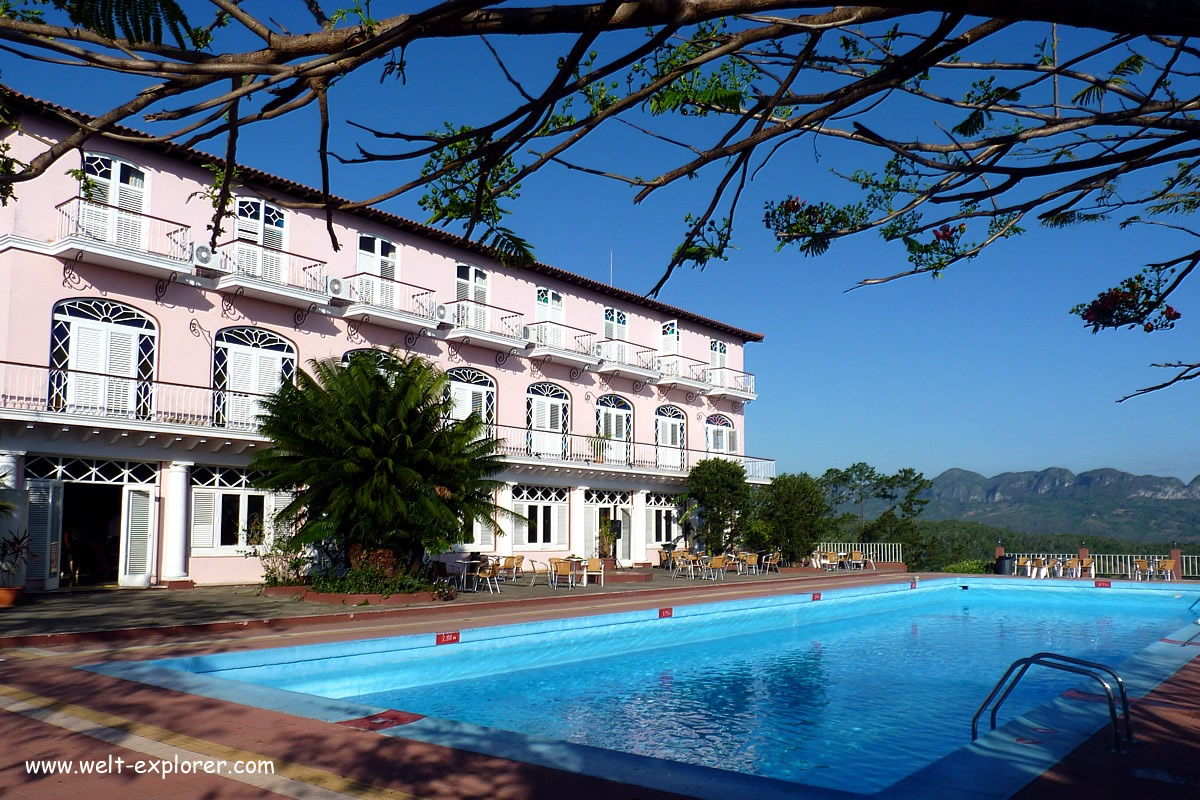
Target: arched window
[[114, 200], [614, 427], [548, 418], [102, 359], [379, 356], [669, 437], [248, 364], [473, 392], [720, 435]]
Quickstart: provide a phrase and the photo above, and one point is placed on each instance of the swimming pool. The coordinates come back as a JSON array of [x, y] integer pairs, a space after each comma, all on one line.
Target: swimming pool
[[857, 689]]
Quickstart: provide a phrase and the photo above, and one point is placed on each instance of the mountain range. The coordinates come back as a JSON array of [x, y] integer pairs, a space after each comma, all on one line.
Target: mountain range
[[1101, 502]]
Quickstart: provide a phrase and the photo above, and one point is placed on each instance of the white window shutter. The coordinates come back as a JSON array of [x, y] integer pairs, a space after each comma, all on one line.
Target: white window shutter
[[249, 219], [589, 531], [204, 519], [609, 329], [480, 289], [273, 234], [38, 527], [269, 373], [460, 398], [541, 413], [122, 364], [625, 543], [732, 441], [367, 261], [88, 354], [138, 527], [652, 533], [484, 535], [561, 532], [520, 525], [462, 289]]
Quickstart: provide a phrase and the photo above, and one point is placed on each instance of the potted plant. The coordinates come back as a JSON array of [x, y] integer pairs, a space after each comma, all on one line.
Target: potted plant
[[14, 553], [606, 540]]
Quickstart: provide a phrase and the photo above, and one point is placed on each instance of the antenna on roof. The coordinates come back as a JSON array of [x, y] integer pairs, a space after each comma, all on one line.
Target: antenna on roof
[[610, 269]]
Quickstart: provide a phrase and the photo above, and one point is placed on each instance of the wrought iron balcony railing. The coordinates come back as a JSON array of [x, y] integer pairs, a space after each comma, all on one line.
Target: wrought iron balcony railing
[[392, 295], [258, 262], [80, 218]]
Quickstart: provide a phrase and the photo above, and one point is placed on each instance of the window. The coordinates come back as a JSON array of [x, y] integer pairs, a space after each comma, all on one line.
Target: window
[[379, 357], [228, 513], [114, 201], [260, 240], [662, 518], [543, 510], [102, 359], [472, 392], [471, 292], [547, 419], [669, 438], [717, 353], [248, 364], [669, 344], [614, 429], [720, 434]]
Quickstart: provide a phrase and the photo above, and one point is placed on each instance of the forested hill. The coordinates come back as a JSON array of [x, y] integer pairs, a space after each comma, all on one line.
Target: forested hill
[[1102, 502]]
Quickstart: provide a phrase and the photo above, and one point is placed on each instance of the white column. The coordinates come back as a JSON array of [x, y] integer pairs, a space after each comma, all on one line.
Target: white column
[[176, 494], [575, 520], [637, 544], [504, 500]]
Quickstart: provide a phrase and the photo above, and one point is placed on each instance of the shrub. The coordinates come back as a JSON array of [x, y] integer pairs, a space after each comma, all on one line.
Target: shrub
[[971, 566]]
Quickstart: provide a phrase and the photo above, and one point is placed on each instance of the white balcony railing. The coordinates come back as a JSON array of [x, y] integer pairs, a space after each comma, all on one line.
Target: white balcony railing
[[392, 295], [619, 351], [886, 552], [677, 366], [269, 265], [79, 218], [562, 337], [729, 378], [476, 316]]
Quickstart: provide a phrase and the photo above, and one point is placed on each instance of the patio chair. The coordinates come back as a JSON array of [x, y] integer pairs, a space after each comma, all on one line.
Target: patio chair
[[489, 572], [537, 568], [1023, 564], [687, 563], [562, 570], [772, 560], [832, 560], [716, 566], [1070, 568], [1166, 569], [595, 566], [750, 564], [1140, 569], [1038, 568], [511, 567], [857, 561], [1087, 565]]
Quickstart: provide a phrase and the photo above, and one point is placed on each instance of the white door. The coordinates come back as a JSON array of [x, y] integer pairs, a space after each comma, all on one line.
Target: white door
[[102, 359], [252, 374], [717, 357], [260, 233], [377, 263], [615, 426], [45, 532], [471, 289], [616, 333], [670, 442], [115, 202], [721, 440], [550, 312], [668, 349], [546, 438], [137, 536]]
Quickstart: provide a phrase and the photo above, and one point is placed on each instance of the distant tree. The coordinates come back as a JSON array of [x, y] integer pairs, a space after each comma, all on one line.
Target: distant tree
[[796, 514], [374, 459], [717, 490]]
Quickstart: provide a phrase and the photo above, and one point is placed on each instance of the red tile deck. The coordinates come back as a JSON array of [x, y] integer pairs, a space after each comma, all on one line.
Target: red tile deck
[[339, 761]]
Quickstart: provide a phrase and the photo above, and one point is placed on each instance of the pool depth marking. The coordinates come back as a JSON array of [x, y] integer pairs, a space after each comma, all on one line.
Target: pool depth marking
[[290, 779]]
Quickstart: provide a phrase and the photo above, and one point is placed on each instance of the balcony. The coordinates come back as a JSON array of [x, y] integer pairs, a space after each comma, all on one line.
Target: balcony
[[680, 371], [562, 344], [254, 270], [731, 383], [98, 233], [487, 326], [75, 396], [626, 359], [540, 450], [391, 303]]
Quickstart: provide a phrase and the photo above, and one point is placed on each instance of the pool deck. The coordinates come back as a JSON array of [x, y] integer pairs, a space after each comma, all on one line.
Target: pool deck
[[53, 711]]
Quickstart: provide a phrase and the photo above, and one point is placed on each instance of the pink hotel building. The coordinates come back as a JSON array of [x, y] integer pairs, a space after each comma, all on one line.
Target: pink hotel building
[[133, 357]]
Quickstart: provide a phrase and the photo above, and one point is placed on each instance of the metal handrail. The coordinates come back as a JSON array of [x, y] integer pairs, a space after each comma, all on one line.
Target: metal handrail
[[1049, 660]]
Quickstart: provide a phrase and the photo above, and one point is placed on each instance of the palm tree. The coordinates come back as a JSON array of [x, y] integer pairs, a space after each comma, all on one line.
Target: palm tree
[[374, 458]]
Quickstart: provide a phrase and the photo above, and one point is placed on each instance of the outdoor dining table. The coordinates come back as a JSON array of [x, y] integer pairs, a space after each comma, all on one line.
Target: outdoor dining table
[[464, 568]]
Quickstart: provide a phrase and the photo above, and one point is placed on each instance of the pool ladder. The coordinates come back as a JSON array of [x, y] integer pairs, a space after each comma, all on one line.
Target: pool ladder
[[1057, 661]]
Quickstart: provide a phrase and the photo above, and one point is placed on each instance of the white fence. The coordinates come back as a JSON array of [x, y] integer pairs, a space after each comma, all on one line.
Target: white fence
[[888, 552], [1121, 565]]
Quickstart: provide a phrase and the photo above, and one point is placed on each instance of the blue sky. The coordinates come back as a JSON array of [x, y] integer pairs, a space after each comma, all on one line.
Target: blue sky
[[983, 369]]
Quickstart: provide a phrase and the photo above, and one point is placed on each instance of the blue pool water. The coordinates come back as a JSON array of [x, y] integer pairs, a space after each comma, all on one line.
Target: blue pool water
[[850, 692]]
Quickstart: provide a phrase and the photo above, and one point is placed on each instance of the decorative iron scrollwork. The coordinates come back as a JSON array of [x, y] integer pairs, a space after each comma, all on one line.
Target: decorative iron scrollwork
[[71, 277], [228, 309], [354, 328], [160, 288], [199, 331], [691, 397], [738, 405], [301, 314], [638, 386], [575, 373], [455, 350]]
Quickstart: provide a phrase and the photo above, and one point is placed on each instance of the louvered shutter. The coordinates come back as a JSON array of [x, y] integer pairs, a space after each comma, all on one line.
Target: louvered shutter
[[247, 254], [731, 441], [625, 542], [717, 440], [652, 532], [480, 296], [561, 532], [121, 369], [204, 515], [670, 339], [609, 329], [273, 268], [38, 526], [460, 399], [484, 535], [96, 216], [589, 531], [520, 525], [543, 441], [277, 502], [364, 284], [138, 527], [89, 341], [242, 405]]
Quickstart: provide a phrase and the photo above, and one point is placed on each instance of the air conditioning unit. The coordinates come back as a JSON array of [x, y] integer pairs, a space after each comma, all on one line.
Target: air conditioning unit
[[203, 255], [526, 333], [441, 312], [598, 350], [337, 288]]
